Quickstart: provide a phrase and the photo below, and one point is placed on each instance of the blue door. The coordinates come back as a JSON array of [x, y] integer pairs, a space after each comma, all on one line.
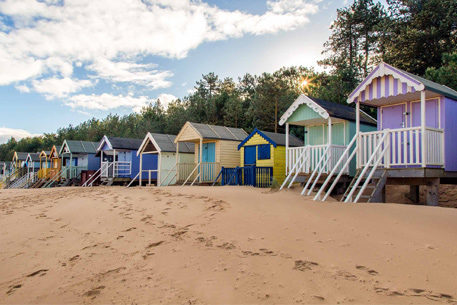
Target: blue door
[[209, 152], [249, 155]]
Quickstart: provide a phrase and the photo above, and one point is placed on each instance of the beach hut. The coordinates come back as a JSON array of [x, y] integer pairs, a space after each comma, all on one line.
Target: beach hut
[[119, 162], [45, 164], [268, 150], [215, 147], [328, 129], [164, 147], [19, 159], [78, 156], [416, 138], [33, 162], [55, 162]]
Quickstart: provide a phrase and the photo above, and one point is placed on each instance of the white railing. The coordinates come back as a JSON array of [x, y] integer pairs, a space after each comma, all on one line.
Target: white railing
[[122, 168], [313, 155], [405, 147], [116, 169], [434, 145]]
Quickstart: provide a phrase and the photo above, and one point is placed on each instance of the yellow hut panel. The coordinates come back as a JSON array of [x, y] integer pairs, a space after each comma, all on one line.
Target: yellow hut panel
[[266, 149], [215, 147]]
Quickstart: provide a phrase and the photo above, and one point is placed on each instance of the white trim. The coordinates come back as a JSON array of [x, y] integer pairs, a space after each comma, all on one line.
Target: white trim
[[303, 99], [63, 145], [143, 144], [104, 140], [381, 70]]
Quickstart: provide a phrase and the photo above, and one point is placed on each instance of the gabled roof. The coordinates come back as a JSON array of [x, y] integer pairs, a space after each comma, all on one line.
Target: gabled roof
[[54, 153], [35, 157], [413, 83], [326, 109], [45, 153], [207, 131], [21, 156], [165, 143], [274, 138], [120, 143], [79, 147]]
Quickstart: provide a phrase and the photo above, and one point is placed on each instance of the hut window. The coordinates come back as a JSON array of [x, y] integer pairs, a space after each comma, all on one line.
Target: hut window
[[263, 152]]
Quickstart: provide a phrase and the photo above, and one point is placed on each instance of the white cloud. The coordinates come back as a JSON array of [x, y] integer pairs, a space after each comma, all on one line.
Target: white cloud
[[8, 133], [166, 99], [107, 101], [113, 38], [23, 88], [59, 87], [141, 74]]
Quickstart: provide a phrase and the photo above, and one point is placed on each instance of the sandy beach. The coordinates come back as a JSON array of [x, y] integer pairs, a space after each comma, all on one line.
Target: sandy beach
[[220, 245]]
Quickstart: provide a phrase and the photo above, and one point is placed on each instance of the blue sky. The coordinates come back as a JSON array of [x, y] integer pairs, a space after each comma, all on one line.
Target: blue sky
[[64, 62]]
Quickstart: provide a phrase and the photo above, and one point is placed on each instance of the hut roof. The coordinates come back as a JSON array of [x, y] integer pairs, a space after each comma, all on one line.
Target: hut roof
[[79, 147], [274, 138], [326, 109], [219, 132], [165, 143]]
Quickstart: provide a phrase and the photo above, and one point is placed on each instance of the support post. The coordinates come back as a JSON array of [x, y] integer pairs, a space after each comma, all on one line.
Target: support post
[[357, 130], [114, 163], [141, 169], [423, 146], [201, 159], [287, 148], [329, 141], [414, 193], [177, 162], [159, 162], [432, 192], [71, 164]]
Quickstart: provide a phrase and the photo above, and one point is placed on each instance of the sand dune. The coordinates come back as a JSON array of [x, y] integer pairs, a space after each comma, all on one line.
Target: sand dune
[[201, 245]]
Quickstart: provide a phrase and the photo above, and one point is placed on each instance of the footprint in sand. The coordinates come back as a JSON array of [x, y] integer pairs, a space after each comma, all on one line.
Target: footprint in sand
[[93, 292], [368, 270], [227, 246], [152, 245], [129, 229], [40, 272], [303, 265], [13, 288]]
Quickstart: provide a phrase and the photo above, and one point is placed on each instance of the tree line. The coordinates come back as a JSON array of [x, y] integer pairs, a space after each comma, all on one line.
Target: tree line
[[419, 36]]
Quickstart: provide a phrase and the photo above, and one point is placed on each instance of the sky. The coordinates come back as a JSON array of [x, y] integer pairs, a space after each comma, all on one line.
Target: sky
[[64, 62]]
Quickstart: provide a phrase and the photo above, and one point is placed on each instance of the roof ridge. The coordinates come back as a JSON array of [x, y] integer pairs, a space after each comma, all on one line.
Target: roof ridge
[[209, 126], [231, 132]]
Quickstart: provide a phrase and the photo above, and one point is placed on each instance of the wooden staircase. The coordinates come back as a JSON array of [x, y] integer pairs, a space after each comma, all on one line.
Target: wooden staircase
[[373, 191]]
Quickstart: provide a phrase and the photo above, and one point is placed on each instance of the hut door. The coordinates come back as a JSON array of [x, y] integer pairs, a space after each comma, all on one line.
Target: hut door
[[209, 152], [431, 114], [249, 155], [393, 117]]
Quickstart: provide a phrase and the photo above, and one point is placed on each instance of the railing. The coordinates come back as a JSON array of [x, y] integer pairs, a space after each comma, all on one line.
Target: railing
[[116, 169], [201, 172], [122, 168], [248, 175], [405, 147], [208, 171], [184, 170], [434, 145], [92, 178], [314, 153], [73, 171]]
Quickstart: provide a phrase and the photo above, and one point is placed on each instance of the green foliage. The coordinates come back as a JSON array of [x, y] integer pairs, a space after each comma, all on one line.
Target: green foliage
[[417, 33], [447, 73]]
